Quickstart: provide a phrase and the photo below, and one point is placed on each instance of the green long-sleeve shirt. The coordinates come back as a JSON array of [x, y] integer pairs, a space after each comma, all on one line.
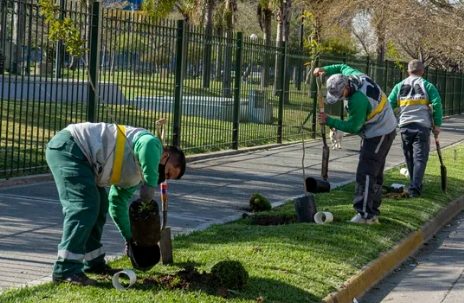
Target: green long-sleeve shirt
[[148, 150], [358, 104], [433, 95]]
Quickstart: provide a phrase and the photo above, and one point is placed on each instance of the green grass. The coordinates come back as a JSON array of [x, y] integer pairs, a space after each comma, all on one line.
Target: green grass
[[287, 263]]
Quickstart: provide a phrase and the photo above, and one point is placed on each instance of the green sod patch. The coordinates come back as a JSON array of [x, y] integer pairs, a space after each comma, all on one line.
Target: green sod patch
[[297, 262]]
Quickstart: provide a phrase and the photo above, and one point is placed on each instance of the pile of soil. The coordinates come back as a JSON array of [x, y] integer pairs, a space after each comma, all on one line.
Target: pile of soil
[[187, 278]]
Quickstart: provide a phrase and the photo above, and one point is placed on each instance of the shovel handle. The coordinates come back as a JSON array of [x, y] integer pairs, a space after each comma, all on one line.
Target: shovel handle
[[437, 143], [164, 202], [320, 98]]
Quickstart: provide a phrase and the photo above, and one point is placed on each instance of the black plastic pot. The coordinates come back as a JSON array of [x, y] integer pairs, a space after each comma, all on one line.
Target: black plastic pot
[[145, 223], [305, 208], [143, 258], [316, 185], [143, 249]]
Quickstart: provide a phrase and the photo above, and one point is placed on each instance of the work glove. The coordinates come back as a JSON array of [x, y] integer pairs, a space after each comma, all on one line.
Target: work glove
[[147, 193]]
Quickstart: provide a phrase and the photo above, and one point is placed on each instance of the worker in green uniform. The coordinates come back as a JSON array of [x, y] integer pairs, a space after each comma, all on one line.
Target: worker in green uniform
[[369, 116], [420, 112], [85, 158]]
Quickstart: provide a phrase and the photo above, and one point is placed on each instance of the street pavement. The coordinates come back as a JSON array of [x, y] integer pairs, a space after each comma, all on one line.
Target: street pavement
[[213, 191]]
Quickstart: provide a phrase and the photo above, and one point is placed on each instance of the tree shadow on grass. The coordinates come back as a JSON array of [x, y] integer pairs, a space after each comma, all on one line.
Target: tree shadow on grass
[[265, 289]]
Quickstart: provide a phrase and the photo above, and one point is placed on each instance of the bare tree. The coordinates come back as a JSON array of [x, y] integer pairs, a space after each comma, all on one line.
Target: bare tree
[[265, 12]]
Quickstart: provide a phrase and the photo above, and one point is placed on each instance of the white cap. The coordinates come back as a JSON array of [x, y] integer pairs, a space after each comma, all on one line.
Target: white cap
[[335, 86]]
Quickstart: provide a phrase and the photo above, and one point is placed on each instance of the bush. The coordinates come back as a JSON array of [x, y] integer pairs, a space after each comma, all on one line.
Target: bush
[[230, 274], [259, 203]]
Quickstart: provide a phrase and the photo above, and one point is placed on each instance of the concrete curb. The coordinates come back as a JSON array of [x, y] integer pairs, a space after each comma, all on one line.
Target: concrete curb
[[376, 270]]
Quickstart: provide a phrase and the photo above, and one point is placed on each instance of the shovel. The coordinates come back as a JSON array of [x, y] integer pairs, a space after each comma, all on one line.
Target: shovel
[[316, 185], [443, 173], [325, 147], [165, 236]]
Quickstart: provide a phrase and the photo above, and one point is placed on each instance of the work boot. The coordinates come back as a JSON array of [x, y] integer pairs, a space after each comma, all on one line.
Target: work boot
[[358, 219], [103, 269], [80, 279]]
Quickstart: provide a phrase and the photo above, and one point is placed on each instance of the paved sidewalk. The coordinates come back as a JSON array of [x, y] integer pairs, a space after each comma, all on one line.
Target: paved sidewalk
[[434, 275], [212, 191]]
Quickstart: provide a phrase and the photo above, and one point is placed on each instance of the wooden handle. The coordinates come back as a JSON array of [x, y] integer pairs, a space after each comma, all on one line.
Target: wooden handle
[[320, 98]]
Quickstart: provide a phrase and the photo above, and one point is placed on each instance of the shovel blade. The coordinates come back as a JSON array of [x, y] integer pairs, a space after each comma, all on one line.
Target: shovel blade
[[444, 178], [166, 246]]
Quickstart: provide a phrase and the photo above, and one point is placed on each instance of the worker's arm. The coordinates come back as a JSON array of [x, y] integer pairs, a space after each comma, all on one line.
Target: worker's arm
[[341, 69], [358, 108], [393, 97], [435, 101], [119, 208], [148, 150]]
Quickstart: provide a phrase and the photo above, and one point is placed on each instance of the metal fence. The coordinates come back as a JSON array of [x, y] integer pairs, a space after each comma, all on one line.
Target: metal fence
[[218, 90]]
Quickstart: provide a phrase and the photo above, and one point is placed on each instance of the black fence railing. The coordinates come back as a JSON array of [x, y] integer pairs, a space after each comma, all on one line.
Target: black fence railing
[[218, 90]]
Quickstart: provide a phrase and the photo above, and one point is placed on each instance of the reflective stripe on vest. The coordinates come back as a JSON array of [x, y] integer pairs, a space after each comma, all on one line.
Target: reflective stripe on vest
[[378, 109], [118, 154], [408, 102]]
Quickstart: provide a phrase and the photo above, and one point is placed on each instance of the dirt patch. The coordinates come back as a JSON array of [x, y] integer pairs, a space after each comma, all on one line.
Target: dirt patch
[[269, 219], [189, 278]]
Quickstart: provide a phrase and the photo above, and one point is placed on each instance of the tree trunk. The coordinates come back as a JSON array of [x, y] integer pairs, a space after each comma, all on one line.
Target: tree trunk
[[207, 49], [380, 48], [227, 77], [265, 75], [219, 49], [283, 31], [3, 16], [230, 9], [19, 28], [277, 67]]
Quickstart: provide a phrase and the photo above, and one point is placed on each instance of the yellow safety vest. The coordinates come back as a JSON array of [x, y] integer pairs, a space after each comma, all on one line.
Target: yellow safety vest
[[408, 102], [378, 109], [118, 154]]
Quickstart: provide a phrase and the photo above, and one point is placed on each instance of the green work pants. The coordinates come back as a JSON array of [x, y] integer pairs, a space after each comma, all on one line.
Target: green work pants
[[85, 206]]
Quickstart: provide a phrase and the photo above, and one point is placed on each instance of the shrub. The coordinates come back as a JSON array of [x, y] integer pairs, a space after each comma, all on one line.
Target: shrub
[[230, 274], [259, 203]]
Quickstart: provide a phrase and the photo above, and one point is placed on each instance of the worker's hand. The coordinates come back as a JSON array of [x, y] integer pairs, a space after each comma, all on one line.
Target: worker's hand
[[322, 118], [436, 131], [318, 71], [147, 193]]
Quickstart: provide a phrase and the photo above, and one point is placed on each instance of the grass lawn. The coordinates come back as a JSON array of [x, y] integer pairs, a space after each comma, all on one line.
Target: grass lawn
[[286, 263]]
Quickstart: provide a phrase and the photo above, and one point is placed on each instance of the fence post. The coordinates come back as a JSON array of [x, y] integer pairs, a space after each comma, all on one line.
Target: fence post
[[237, 90], [460, 98], [385, 76], [453, 77], [313, 96], [282, 94], [445, 101], [59, 52], [94, 60], [368, 65], [179, 81]]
